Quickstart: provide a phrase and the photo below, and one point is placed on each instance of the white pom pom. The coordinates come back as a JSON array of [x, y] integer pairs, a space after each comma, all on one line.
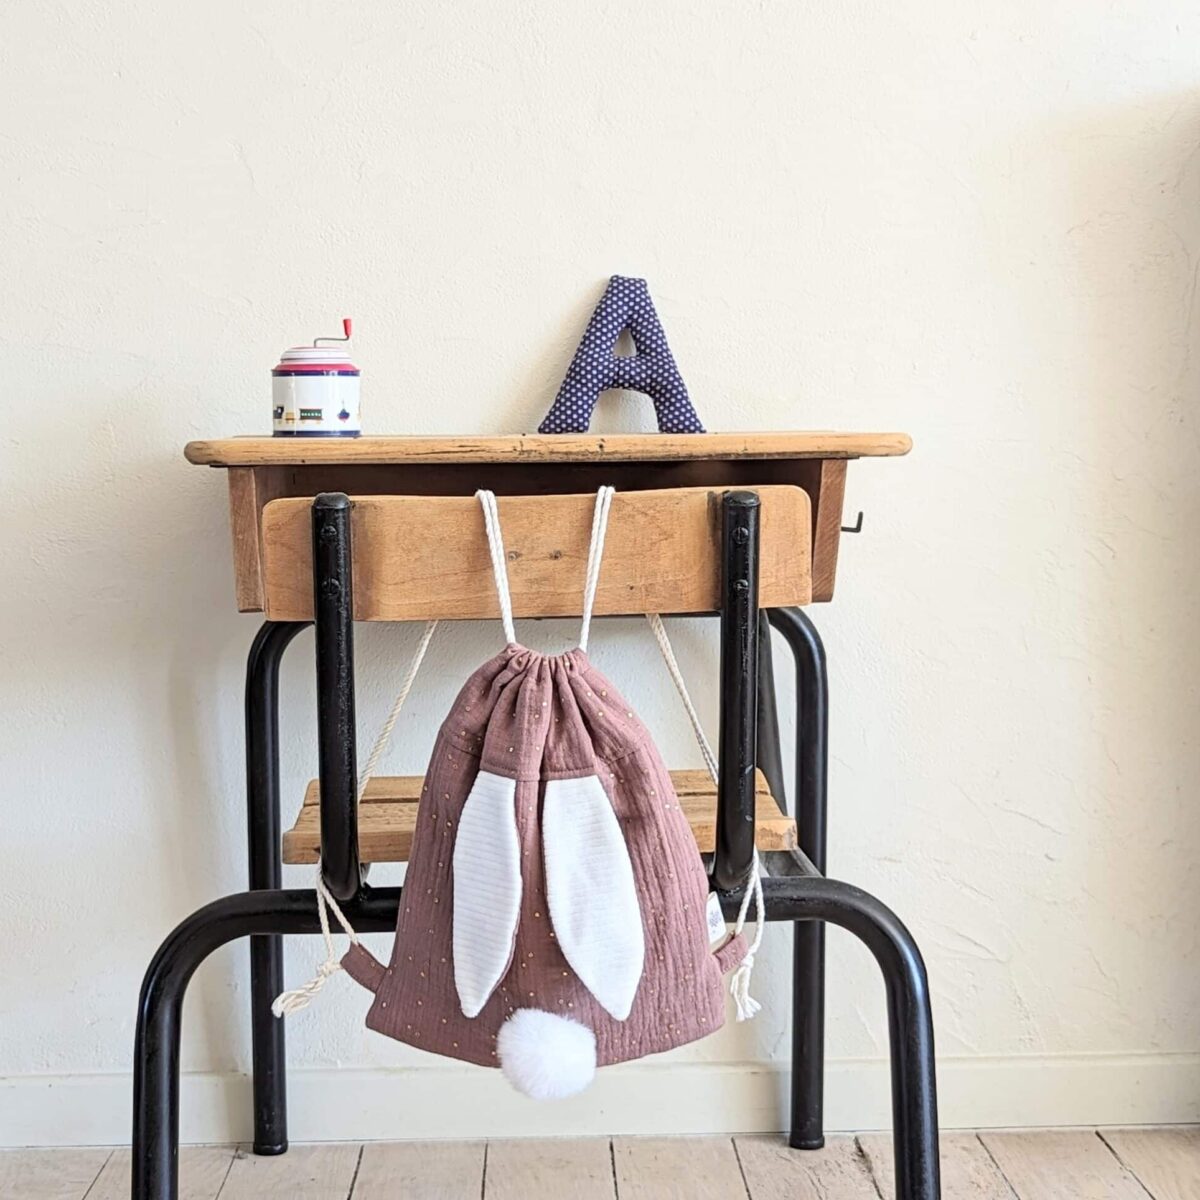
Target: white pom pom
[[545, 1056]]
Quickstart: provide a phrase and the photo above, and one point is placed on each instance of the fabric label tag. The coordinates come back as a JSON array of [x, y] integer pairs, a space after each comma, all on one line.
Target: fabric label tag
[[716, 920]]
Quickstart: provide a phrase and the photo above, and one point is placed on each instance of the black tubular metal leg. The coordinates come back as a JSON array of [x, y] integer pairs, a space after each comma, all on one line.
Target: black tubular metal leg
[[768, 753], [808, 951], [814, 900], [812, 728], [333, 608], [739, 690], [156, 1046], [262, 913], [263, 833]]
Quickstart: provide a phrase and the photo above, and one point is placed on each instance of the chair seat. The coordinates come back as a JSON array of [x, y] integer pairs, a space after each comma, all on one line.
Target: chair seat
[[387, 817]]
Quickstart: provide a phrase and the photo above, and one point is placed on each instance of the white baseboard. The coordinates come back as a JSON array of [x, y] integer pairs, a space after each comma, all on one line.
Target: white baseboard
[[640, 1098]]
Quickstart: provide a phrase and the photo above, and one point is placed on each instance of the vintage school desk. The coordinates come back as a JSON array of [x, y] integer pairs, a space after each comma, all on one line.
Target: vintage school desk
[[765, 574]]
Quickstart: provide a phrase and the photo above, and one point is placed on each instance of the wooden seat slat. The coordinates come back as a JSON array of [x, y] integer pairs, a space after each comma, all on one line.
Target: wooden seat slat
[[387, 818]]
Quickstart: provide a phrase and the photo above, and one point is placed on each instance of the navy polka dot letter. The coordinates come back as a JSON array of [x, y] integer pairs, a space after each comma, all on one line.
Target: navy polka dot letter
[[626, 304]]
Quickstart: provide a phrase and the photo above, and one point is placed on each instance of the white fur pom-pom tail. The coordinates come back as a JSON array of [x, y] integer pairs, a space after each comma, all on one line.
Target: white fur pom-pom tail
[[546, 1057]]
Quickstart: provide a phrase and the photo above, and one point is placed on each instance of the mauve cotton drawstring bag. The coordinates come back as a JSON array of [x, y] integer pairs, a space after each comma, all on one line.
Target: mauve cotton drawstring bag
[[555, 913]]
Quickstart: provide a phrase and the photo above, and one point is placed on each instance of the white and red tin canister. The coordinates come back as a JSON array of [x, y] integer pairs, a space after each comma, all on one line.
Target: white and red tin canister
[[315, 391]]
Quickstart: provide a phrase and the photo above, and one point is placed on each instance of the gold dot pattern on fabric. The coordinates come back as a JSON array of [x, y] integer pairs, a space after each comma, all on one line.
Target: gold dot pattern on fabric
[[522, 715]]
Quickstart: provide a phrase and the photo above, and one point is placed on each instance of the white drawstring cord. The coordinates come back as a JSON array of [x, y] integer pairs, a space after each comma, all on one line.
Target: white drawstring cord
[[664, 644], [491, 522], [406, 684], [292, 1001], [298, 998], [739, 985], [595, 554]]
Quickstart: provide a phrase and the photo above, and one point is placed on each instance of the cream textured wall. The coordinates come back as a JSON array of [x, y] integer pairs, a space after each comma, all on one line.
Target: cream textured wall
[[977, 223]]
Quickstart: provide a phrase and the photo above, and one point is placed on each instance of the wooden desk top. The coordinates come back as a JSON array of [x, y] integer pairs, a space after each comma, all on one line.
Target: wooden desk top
[[262, 469], [532, 447]]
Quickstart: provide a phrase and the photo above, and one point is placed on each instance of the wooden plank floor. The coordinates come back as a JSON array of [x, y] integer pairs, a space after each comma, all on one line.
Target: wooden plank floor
[[1109, 1164]]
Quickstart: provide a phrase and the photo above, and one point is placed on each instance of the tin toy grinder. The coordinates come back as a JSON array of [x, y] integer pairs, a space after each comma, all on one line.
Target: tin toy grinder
[[315, 390]]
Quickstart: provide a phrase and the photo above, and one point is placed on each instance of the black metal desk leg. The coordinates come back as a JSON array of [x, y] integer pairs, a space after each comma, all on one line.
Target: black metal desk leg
[[812, 899], [738, 722], [337, 764], [264, 913], [768, 754], [808, 942], [263, 836]]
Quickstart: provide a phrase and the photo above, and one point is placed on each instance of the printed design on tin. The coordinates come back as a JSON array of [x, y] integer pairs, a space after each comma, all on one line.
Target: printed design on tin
[[315, 392]]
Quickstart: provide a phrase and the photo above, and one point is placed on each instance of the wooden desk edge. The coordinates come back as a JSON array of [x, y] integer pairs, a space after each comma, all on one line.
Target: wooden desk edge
[[261, 469], [587, 447]]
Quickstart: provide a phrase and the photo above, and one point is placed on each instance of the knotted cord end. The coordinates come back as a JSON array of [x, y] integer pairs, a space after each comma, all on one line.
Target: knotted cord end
[[739, 989], [300, 998], [739, 985]]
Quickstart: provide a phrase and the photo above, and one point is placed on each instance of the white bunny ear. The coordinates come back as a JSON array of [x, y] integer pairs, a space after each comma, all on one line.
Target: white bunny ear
[[590, 891], [487, 890]]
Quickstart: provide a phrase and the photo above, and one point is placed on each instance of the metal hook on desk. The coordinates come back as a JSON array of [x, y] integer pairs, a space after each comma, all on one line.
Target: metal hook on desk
[[856, 527]]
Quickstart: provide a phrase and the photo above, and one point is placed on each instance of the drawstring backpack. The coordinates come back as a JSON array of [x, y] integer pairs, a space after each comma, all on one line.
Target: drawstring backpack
[[555, 914]]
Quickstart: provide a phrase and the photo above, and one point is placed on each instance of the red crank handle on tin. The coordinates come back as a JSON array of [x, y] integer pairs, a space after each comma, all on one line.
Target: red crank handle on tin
[[347, 324]]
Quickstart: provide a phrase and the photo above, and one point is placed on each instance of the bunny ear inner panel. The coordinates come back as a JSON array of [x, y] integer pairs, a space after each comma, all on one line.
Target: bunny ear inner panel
[[487, 890], [591, 893]]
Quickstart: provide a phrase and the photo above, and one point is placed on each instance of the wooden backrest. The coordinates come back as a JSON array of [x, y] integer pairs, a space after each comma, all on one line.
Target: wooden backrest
[[421, 557]]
